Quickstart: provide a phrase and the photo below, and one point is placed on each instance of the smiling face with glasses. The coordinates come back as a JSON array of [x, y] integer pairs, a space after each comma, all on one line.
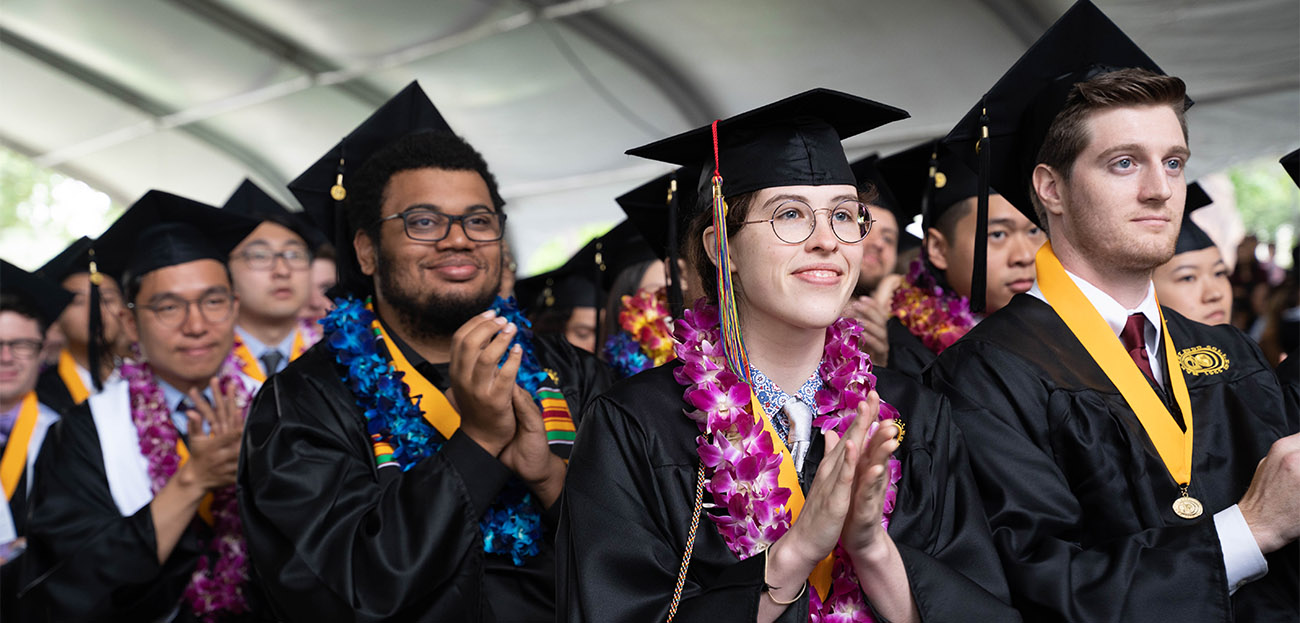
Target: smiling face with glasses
[[20, 349], [271, 269], [184, 319], [438, 257], [797, 257]]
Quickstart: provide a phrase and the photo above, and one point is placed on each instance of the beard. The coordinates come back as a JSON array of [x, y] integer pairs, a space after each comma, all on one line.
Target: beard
[[429, 314], [1105, 248]]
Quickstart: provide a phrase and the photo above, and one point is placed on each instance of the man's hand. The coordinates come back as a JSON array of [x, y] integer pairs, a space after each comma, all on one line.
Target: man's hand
[[529, 454], [874, 312], [214, 453], [1271, 505], [482, 390]]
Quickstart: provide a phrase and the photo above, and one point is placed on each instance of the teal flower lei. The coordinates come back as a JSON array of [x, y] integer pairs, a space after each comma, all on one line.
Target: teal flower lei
[[512, 524]]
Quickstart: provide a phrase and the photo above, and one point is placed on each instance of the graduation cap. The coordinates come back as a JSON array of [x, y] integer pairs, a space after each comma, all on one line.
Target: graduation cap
[[868, 173], [161, 229], [47, 298], [323, 187], [251, 201], [81, 257], [661, 211], [1291, 162], [929, 179], [1190, 236], [1001, 135], [792, 142]]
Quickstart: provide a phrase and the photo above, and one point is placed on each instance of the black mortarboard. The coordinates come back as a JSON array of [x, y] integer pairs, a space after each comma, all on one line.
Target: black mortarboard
[[1291, 162], [576, 283], [322, 188], [1016, 112], [620, 248], [1190, 236], [72, 260], [161, 229], [867, 172], [792, 142], [81, 257], [251, 201], [46, 297], [661, 211], [928, 178]]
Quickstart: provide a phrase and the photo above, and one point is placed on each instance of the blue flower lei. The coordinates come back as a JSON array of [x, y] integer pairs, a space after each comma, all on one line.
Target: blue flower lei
[[512, 524], [624, 354]]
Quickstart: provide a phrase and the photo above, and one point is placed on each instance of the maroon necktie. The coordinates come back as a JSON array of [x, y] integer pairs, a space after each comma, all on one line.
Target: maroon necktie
[[1134, 338]]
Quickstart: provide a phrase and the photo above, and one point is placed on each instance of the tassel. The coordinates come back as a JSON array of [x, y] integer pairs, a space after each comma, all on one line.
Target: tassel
[[737, 359], [95, 347], [979, 272], [675, 295]]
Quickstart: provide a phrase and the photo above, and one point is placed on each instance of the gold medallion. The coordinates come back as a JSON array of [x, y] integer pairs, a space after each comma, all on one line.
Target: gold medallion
[[1188, 507]]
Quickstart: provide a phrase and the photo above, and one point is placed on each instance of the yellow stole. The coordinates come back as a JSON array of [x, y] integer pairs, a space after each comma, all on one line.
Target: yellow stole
[[71, 379], [1172, 444], [252, 367], [432, 403], [820, 578], [15, 456]]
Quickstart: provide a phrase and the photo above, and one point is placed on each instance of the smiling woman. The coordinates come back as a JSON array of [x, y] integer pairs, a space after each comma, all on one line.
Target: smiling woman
[[818, 507]]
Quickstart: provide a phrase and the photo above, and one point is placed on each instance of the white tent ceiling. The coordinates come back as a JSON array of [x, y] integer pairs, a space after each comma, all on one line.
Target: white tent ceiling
[[191, 96]]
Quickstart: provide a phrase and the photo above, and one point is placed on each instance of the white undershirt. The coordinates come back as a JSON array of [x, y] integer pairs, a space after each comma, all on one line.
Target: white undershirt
[[1242, 560]]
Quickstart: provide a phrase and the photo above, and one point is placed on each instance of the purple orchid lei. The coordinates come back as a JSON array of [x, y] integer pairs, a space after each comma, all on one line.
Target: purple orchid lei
[[217, 584], [741, 460]]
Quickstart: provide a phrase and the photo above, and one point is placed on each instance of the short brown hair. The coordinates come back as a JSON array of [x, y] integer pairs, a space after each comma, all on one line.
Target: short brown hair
[[1067, 136]]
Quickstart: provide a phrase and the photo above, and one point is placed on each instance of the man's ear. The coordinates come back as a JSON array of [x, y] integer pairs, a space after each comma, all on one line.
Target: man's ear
[[935, 246], [365, 249], [1048, 185]]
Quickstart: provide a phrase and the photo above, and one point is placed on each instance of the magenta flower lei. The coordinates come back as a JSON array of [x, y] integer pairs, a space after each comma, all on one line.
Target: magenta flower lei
[[216, 588], [740, 458]]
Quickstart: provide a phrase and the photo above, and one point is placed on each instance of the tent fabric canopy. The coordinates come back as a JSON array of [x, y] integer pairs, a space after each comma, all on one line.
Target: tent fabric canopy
[[191, 96]]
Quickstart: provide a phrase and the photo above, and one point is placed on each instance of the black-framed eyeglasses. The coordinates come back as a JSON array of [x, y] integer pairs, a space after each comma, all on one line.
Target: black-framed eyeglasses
[[172, 311], [264, 259], [22, 349], [431, 226], [794, 221]]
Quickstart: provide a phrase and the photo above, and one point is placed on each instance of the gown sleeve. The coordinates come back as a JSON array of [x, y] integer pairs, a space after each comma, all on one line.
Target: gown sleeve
[[84, 559], [623, 531], [1055, 568], [938, 524], [328, 532]]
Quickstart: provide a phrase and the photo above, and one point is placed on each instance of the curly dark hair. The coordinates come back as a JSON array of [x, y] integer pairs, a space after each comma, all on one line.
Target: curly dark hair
[[429, 149]]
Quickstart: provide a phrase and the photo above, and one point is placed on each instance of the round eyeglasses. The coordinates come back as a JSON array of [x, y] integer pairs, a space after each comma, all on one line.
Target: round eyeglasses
[[172, 311], [22, 349], [431, 226], [264, 259], [794, 221]]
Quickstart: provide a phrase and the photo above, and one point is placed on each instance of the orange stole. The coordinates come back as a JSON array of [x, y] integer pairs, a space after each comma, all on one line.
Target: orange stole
[[252, 367], [820, 578], [15, 456], [68, 374]]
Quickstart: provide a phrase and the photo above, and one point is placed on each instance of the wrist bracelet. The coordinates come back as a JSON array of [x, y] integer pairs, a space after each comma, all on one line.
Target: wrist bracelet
[[767, 588]]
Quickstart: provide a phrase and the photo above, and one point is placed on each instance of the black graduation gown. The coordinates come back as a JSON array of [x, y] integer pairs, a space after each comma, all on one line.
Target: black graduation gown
[[629, 499], [1077, 497], [331, 537], [1288, 374], [84, 560], [907, 353], [53, 392], [9, 573]]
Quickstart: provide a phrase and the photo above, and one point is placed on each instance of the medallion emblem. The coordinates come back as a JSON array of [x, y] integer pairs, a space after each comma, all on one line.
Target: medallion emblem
[[1199, 360]]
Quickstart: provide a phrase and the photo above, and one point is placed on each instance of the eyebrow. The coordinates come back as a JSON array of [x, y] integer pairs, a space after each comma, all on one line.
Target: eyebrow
[[433, 208], [801, 198], [1179, 150], [172, 295]]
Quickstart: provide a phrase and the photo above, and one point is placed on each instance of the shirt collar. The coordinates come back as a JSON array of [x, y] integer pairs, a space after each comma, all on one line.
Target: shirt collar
[[256, 348], [773, 398], [1115, 314], [173, 398]]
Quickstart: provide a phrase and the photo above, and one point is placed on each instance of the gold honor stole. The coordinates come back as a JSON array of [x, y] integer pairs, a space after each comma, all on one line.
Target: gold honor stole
[[1172, 444], [15, 456], [820, 578], [71, 379], [252, 367]]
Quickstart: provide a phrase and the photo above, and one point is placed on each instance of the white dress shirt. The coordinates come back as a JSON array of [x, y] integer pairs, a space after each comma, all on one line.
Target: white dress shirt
[[1242, 560]]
